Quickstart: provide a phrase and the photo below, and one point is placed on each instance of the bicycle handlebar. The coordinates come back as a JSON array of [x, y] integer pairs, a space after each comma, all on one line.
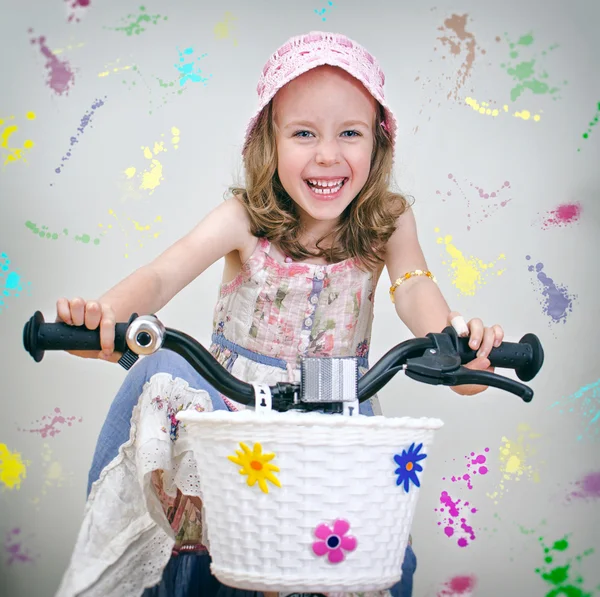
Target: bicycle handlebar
[[435, 359]]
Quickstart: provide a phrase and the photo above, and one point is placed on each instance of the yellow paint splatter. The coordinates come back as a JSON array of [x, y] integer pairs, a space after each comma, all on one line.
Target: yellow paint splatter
[[7, 130], [54, 474], [484, 108], [467, 273], [152, 176], [223, 29], [12, 468], [68, 48], [126, 225], [515, 456], [111, 68]]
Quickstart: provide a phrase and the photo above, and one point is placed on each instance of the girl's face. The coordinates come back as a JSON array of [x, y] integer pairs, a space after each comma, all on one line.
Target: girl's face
[[324, 131]]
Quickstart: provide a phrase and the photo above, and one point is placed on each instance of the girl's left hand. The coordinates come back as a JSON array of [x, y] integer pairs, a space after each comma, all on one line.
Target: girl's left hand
[[482, 339]]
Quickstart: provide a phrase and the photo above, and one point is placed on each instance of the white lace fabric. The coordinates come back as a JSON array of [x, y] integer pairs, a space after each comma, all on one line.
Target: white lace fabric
[[125, 540]]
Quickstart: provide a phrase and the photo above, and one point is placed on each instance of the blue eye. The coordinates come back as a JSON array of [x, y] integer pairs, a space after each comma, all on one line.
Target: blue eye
[[353, 133], [302, 135]]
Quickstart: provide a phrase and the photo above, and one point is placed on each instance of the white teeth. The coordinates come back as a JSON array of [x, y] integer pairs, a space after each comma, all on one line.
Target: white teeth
[[325, 187], [326, 183]]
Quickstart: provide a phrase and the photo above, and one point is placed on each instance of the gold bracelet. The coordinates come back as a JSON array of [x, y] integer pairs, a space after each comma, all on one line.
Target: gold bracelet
[[406, 276]]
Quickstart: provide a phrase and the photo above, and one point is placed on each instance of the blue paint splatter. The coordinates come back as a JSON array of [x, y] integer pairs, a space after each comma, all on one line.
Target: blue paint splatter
[[584, 403], [86, 120], [10, 281], [322, 11], [188, 70]]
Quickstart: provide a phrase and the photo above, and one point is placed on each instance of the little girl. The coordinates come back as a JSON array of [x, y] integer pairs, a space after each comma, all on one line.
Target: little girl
[[304, 243]]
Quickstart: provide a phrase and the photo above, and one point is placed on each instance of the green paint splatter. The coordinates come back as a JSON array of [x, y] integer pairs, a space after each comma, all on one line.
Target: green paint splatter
[[43, 232], [592, 123], [527, 73], [137, 26], [561, 576]]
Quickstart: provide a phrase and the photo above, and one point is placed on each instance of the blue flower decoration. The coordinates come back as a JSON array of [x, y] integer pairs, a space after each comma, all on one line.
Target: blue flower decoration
[[408, 466]]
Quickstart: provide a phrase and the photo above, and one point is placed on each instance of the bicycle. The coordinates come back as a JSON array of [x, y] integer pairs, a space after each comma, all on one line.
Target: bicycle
[[315, 503]]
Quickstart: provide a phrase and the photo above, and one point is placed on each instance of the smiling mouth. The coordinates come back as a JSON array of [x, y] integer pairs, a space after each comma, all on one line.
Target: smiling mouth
[[325, 187]]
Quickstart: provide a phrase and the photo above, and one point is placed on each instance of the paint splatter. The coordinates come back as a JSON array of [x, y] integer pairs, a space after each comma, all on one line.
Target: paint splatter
[[51, 425], [515, 460], [76, 9], [150, 178], [224, 29], [16, 551], [44, 232], [111, 68], [86, 120], [526, 74], [7, 130], [592, 123], [67, 48], [54, 475], [468, 274], [61, 75], [13, 469], [556, 301], [584, 404], [459, 586], [321, 11], [11, 284], [476, 464], [564, 215], [453, 514], [486, 204], [586, 488], [137, 25], [486, 109], [558, 570], [141, 232], [188, 70]]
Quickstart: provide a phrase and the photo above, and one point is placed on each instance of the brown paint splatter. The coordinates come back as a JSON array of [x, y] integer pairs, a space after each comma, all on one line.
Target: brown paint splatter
[[60, 74]]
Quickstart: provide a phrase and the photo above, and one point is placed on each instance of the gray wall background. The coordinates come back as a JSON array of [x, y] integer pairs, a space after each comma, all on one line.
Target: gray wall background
[[540, 454]]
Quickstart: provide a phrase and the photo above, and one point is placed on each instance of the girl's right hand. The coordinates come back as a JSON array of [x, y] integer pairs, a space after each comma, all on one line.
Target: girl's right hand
[[92, 314]]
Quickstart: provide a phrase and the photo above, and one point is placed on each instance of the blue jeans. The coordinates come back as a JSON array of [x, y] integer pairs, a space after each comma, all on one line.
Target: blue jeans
[[185, 575]]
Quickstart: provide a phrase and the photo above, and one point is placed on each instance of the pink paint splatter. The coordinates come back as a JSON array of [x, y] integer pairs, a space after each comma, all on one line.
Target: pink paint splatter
[[587, 488], [556, 300], [60, 73], [456, 524], [478, 462], [489, 201], [86, 120], [563, 215], [75, 8], [49, 425], [459, 585], [15, 550]]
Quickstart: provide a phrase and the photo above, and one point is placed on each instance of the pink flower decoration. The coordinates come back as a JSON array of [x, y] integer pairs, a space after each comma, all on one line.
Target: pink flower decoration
[[333, 542]]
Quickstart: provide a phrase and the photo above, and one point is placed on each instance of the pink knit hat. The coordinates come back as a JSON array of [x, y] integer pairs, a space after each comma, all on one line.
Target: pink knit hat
[[305, 52]]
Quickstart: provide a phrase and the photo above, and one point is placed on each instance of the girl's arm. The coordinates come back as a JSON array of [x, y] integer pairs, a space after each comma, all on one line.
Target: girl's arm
[[418, 301]]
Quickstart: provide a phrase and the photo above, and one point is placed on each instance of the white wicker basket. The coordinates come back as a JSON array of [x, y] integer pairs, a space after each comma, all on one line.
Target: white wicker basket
[[329, 468]]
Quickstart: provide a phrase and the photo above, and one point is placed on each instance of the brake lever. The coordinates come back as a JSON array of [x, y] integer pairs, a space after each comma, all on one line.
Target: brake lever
[[447, 370]]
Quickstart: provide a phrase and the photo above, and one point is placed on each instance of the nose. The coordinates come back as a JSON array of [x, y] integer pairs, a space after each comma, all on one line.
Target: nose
[[328, 153]]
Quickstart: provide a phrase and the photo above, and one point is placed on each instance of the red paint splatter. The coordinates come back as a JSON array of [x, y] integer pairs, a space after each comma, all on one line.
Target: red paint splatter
[[75, 8], [451, 517], [459, 585], [489, 201], [49, 425], [60, 73], [587, 488], [14, 549], [563, 215]]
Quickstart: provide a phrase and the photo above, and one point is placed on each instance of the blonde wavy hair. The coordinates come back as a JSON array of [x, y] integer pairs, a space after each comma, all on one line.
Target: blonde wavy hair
[[365, 225]]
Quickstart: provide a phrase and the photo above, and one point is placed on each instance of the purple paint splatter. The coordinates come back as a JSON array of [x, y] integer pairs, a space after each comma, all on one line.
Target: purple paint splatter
[[489, 201], [585, 402], [49, 425], [478, 464], [85, 121], [454, 519], [15, 550], [556, 301], [587, 488], [60, 73], [75, 8]]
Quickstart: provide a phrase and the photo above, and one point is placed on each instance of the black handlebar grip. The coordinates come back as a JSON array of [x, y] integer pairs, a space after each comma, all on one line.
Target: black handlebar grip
[[39, 337], [526, 357]]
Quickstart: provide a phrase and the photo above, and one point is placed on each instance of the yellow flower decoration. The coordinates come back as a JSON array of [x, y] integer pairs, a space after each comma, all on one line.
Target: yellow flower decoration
[[256, 465]]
